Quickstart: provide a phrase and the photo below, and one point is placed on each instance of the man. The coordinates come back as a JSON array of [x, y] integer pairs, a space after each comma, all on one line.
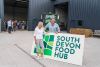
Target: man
[[52, 26], [9, 25], [14, 24]]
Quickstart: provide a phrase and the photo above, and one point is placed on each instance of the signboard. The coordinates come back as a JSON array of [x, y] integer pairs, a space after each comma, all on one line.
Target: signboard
[[48, 17], [63, 47]]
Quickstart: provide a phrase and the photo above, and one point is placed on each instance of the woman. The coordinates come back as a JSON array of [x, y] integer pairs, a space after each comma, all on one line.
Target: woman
[[38, 37]]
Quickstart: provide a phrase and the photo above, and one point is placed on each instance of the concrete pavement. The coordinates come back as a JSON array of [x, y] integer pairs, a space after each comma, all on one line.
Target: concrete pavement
[[15, 51]]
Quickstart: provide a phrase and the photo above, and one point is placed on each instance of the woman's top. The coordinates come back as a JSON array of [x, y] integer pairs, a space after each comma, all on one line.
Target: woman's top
[[39, 33]]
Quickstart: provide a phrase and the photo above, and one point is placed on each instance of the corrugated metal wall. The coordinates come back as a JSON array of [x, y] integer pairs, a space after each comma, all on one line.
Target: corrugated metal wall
[[60, 1], [36, 8], [86, 10]]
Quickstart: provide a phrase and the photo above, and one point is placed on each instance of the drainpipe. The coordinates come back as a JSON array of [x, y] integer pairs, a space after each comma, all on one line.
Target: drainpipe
[[1, 13], [0, 25]]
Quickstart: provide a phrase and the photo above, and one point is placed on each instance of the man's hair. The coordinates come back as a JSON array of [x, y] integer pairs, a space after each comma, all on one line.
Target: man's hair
[[52, 18]]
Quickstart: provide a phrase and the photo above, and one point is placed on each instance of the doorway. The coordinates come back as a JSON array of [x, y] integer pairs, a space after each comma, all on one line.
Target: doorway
[[62, 11], [16, 9]]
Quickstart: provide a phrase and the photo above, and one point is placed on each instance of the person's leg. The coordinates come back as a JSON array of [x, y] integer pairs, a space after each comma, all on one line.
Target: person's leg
[[42, 46], [14, 28], [11, 29], [37, 46], [8, 29]]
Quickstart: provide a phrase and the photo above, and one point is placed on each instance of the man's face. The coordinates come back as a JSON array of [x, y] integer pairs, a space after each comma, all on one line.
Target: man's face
[[52, 21]]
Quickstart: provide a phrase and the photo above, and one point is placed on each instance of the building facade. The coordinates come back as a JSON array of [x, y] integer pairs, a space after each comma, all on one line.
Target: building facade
[[80, 13]]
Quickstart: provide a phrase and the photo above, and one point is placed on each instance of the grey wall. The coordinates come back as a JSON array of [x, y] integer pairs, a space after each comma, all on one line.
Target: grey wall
[[86, 10], [36, 8]]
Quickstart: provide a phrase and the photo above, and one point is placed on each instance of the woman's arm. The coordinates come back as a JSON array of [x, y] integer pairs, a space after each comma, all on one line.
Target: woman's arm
[[35, 39], [35, 36]]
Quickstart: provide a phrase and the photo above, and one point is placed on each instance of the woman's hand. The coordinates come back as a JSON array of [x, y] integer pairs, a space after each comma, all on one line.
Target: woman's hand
[[35, 42], [46, 32]]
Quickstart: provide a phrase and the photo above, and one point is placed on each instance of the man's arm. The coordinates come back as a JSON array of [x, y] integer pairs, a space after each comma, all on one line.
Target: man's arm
[[47, 27], [58, 28]]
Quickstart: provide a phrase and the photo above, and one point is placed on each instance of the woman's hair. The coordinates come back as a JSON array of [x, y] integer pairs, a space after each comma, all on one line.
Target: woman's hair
[[40, 24]]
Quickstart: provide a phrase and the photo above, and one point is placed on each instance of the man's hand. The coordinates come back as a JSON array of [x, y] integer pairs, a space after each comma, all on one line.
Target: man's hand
[[57, 32]]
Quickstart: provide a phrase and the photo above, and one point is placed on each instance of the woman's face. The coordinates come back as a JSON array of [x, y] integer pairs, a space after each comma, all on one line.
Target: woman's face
[[40, 25]]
